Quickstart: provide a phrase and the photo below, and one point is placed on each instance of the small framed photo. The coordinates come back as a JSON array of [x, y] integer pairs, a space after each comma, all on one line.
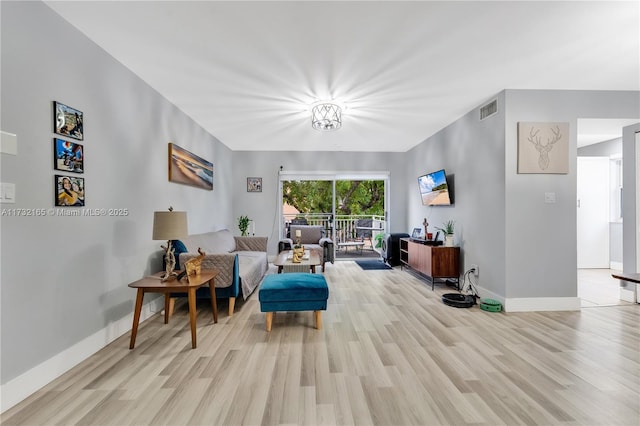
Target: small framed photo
[[68, 121], [69, 191], [254, 184], [417, 233], [68, 156]]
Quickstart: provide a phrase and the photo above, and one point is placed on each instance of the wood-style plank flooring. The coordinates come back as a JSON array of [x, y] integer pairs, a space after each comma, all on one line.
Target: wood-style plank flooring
[[389, 353], [596, 287]]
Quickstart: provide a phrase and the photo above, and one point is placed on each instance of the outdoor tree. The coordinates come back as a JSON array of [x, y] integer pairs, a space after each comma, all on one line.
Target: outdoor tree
[[353, 197]]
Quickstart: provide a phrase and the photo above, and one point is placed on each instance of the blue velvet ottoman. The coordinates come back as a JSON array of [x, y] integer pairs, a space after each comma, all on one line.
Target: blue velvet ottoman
[[296, 291]]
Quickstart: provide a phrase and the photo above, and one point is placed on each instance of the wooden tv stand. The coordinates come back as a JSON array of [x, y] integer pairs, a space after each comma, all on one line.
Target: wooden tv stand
[[435, 262]]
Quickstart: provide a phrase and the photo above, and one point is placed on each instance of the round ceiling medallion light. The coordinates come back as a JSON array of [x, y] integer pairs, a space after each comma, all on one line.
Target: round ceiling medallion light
[[326, 116]]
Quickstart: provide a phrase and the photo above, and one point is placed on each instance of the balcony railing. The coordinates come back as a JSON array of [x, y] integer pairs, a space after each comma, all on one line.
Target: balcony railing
[[341, 228]]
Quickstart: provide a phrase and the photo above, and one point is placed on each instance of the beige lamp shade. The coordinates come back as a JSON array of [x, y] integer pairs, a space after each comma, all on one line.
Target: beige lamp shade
[[169, 225]]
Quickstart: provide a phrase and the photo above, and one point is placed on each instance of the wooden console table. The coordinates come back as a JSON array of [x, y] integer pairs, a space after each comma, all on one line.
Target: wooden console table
[[436, 262], [153, 284]]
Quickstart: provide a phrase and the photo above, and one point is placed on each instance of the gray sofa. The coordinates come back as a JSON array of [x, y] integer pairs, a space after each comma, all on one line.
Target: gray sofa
[[312, 237], [241, 261]]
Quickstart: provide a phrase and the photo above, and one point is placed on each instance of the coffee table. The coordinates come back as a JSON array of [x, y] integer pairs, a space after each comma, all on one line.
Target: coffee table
[[154, 284], [284, 263]]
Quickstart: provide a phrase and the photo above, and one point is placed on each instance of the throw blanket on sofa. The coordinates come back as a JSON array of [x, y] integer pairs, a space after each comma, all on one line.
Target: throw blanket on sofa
[[221, 249], [253, 265]]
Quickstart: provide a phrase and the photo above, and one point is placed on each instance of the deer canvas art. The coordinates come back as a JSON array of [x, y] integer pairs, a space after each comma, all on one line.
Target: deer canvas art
[[543, 148]]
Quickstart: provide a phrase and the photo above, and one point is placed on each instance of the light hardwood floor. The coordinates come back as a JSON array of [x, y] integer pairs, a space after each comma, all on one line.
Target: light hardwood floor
[[596, 287], [389, 353]]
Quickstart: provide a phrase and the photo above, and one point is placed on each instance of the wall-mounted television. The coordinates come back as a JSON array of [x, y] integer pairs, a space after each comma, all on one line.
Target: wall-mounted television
[[434, 189]]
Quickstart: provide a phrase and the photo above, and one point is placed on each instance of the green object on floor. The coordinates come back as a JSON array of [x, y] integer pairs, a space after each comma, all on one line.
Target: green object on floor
[[490, 305]]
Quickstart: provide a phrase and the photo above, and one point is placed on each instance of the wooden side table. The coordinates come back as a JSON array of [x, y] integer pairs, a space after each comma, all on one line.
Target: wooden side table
[[153, 284]]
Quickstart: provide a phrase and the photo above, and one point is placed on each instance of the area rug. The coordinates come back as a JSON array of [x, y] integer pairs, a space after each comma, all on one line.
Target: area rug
[[369, 265]]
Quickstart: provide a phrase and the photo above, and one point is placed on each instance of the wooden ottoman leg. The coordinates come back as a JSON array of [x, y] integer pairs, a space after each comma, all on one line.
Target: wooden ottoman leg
[[269, 320], [318, 319]]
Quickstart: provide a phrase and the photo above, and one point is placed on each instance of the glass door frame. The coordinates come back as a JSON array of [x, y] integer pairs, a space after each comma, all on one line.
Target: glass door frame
[[333, 176]]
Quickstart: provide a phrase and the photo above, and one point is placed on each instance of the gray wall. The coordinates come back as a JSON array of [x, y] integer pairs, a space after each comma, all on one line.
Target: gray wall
[[65, 278], [473, 152], [524, 248], [607, 149], [541, 238], [262, 207], [629, 201], [602, 149]]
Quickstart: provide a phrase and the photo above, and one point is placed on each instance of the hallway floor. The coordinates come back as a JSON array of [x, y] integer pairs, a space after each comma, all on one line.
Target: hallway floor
[[596, 287]]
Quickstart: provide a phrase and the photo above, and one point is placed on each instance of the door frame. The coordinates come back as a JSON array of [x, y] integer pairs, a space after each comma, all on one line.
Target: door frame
[[285, 175]]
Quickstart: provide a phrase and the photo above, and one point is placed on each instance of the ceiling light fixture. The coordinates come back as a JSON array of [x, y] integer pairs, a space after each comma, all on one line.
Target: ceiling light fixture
[[326, 116]]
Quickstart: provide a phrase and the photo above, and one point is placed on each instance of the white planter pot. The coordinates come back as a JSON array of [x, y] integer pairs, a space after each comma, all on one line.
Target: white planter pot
[[448, 240]]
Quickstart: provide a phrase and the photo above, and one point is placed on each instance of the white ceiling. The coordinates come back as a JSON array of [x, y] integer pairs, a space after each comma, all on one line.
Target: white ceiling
[[247, 71]]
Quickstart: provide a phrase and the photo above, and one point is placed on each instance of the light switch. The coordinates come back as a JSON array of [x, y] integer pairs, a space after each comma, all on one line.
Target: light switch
[[549, 197], [8, 193]]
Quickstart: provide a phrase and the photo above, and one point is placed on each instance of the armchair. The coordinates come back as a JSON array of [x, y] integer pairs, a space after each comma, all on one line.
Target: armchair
[[312, 238]]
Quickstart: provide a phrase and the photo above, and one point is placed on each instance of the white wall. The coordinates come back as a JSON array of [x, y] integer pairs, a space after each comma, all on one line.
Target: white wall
[[64, 279]]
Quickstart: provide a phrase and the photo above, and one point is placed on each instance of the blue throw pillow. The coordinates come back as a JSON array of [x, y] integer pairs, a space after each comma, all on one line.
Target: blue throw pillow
[[179, 247]]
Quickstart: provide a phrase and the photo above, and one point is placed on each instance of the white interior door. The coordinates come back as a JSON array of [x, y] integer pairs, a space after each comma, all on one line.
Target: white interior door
[[593, 212]]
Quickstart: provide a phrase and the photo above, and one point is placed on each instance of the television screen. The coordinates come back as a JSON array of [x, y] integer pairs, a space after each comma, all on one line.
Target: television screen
[[434, 190]]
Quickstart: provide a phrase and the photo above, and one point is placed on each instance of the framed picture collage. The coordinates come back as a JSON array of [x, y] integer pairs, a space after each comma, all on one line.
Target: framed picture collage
[[68, 156]]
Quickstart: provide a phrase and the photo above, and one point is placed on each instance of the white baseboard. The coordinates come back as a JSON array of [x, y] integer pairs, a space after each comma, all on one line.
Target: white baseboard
[[628, 294], [616, 266], [19, 388], [530, 304]]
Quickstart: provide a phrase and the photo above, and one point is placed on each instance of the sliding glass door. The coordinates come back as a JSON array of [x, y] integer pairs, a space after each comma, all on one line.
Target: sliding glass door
[[351, 208]]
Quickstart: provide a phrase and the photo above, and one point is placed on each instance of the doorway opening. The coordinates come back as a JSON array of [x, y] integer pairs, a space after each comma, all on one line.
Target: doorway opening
[[598, 210]]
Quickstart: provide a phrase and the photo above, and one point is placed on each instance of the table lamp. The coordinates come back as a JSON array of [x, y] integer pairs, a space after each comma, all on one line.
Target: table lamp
[[169, 226]]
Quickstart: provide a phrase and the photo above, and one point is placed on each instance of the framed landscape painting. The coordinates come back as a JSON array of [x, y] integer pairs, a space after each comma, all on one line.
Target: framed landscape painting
[[68, 156], [69, 191], [187, 168], [68, 121]]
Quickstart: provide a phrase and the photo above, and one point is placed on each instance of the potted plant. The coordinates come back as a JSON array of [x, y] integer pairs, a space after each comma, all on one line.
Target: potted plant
[[448, 228], [379, 238], [243, 224]]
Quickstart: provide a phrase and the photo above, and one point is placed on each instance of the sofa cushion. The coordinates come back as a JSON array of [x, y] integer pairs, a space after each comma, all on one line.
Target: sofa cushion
[[251, 243], [309, 234], [293, 286]]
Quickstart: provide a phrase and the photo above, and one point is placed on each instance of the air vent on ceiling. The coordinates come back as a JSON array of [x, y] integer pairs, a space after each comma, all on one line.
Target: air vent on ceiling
[[489, 109]]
